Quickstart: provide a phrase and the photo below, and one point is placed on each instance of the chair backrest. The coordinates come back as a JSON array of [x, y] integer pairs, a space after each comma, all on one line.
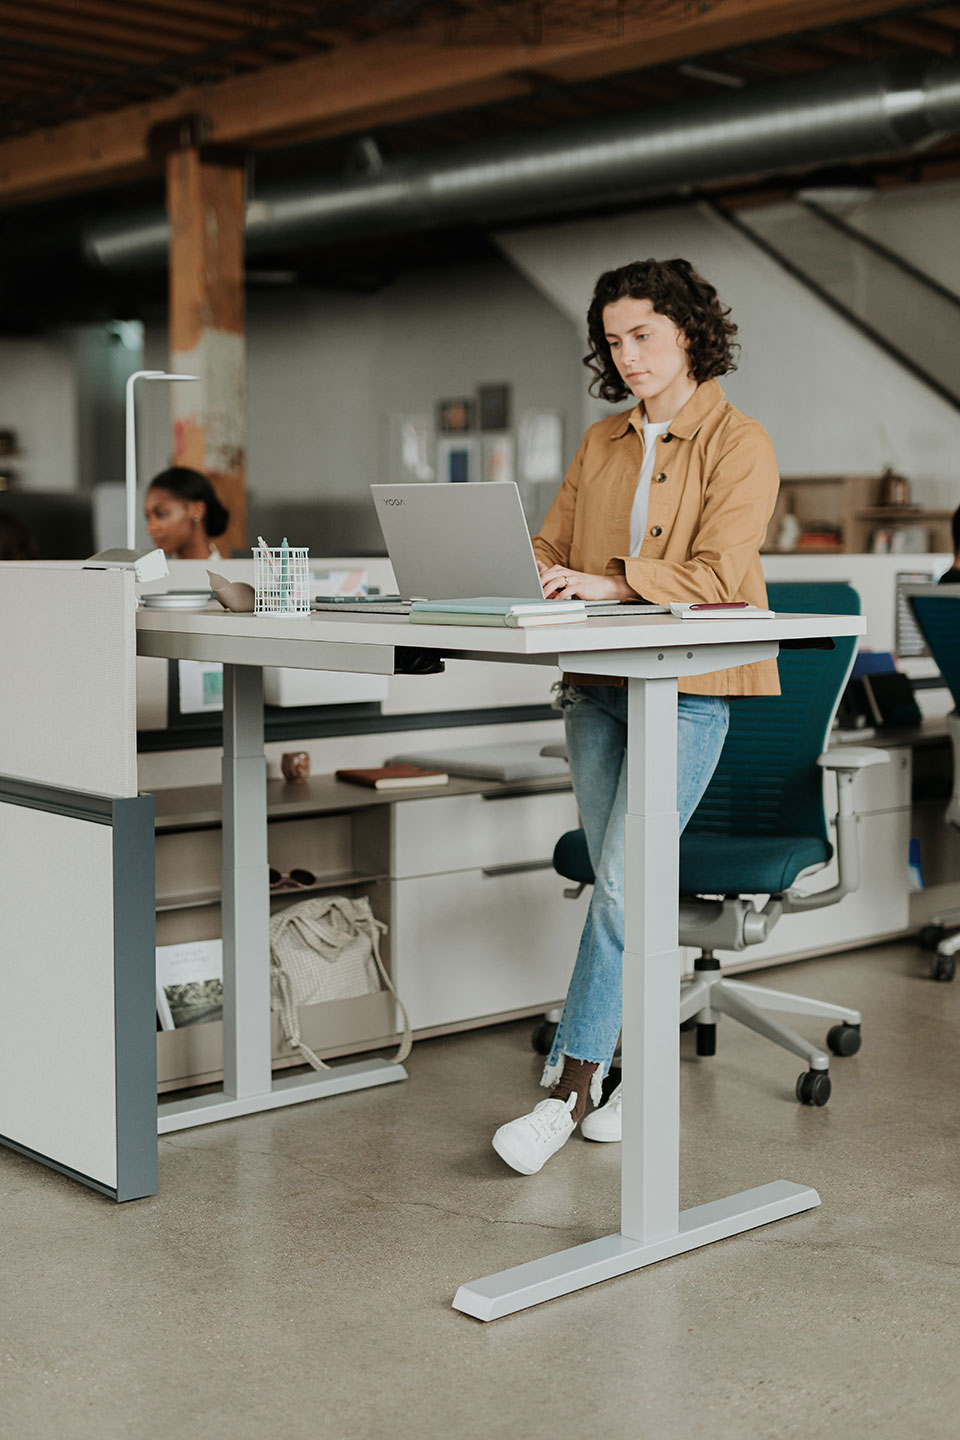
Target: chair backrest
[[937, 613], [768, 781]]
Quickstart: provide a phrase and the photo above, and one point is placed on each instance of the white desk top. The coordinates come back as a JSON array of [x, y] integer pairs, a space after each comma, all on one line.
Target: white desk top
[[259, 639]]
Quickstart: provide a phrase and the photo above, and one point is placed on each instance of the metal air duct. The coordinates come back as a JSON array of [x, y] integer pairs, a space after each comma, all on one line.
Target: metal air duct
[[855, 113]]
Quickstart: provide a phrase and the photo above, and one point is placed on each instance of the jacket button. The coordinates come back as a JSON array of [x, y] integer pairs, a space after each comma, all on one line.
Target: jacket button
[[666, 438], [657, 530], [660, 479]]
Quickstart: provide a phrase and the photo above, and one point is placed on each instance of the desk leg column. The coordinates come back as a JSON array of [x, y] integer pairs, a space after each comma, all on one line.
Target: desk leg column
[[650, 1162], [245, 887]]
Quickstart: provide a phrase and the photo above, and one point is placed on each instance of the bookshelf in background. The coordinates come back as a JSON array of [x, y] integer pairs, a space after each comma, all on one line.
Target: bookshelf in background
[[842, 514]]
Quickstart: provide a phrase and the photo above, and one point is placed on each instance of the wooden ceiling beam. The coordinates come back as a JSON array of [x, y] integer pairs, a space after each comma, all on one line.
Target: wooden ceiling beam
[[161, 19], [398, 76], [86, 37], [917, 35]]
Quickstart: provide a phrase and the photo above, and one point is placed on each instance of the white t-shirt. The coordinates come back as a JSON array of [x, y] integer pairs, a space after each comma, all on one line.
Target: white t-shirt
[[641, 500]]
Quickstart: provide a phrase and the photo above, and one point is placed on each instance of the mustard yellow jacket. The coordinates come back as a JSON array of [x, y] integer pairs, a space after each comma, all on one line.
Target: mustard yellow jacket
[[712, 494]]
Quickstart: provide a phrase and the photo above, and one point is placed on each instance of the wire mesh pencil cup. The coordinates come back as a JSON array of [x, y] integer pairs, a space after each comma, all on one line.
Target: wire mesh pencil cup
[[281, 580]]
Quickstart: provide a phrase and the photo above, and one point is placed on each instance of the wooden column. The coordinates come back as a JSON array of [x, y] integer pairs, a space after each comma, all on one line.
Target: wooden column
[[206, 203]]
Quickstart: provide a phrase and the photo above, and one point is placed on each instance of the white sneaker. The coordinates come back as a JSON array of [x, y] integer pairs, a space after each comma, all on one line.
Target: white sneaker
[[527, 1144], [604, 1124]]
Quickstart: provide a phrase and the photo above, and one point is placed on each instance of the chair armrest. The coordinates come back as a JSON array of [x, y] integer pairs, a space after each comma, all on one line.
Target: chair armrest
[[556, 750], [846, 763], [854, 757]]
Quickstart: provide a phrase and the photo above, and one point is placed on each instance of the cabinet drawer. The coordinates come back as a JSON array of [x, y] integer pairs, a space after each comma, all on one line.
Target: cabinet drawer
[[467, 832], [470, 945]]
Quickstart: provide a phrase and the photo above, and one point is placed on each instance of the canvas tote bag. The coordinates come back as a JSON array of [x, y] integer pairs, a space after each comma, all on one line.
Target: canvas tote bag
[[327, 948]]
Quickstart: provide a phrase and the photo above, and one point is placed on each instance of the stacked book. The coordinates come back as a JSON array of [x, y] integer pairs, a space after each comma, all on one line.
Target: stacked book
[[497, 610]]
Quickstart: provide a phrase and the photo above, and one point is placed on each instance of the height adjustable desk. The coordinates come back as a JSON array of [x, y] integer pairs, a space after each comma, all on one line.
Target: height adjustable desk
[[652, 652]]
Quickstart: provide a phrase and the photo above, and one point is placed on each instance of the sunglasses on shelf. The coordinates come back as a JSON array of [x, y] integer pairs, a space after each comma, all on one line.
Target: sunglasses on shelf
[[297, 879]]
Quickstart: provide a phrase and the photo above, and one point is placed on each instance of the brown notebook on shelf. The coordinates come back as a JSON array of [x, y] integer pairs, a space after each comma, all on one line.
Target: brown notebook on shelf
[[394, 777]]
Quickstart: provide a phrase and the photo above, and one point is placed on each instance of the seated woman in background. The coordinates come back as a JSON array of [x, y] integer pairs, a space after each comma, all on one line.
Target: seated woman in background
[[16, 541], [184, 515]]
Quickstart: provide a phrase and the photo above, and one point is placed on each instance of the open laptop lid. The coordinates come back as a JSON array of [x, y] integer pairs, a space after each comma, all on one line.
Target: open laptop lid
[[450, 542]]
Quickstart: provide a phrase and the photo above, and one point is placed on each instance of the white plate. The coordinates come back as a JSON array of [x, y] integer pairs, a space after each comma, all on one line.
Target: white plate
[[177, 600]]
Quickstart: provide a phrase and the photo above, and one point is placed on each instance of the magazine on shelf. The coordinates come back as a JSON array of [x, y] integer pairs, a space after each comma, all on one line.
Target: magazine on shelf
[[189, 983]]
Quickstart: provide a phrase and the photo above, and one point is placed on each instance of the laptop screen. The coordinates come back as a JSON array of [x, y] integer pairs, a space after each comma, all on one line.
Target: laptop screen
[[450, 542]]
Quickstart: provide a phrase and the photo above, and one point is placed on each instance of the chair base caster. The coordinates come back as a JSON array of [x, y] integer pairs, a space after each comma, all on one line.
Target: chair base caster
[[542, 1037], [844, 1039], [943, 967], [813, 1087], [930, 936]]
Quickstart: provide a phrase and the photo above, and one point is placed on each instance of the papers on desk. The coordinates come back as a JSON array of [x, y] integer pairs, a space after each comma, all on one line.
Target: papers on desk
[[721, 610], [497, 610]]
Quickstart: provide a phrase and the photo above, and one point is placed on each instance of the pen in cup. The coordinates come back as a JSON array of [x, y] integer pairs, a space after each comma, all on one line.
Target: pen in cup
[[265, 548]]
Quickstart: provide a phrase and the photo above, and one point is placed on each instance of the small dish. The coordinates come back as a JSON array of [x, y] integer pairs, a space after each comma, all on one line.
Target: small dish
[[177, 600]]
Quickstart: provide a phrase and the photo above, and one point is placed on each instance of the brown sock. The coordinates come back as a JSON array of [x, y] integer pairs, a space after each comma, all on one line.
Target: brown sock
[[576, 1077]]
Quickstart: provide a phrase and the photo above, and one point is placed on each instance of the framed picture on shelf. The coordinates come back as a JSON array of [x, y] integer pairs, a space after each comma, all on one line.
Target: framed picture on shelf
[[457, 459], [493, 407], [455, 417]]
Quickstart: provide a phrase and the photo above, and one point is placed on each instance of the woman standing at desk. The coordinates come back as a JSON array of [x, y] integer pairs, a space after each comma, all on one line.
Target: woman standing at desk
[[670, 501], [184, 515]]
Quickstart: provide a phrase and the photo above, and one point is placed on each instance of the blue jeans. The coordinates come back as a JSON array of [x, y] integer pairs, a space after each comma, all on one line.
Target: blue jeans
[[595, 719]]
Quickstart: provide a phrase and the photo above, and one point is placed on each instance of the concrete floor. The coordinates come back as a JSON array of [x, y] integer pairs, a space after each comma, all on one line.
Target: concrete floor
[[294, 1276]]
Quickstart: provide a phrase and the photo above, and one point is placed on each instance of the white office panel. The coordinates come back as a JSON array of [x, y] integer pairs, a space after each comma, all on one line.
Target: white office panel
[[57, 1015], [67, 651]]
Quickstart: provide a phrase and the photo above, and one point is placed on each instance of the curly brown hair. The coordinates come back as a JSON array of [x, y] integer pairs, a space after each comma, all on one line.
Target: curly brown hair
[[676, 290]]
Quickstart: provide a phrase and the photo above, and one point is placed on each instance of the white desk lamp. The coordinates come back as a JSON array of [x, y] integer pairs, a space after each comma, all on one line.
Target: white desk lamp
[[131, 476], [150, 564]]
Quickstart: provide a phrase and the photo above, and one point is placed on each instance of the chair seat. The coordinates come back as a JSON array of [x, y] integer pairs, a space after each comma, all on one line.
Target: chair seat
[[716, 865], [746, 864]]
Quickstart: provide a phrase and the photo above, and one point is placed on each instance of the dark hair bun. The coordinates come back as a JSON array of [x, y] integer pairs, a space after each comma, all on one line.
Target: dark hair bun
[[190, 485]]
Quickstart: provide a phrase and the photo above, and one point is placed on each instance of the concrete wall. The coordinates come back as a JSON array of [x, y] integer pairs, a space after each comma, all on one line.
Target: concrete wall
[[921, 223], [832, 402], [327, 370], [38, 399]]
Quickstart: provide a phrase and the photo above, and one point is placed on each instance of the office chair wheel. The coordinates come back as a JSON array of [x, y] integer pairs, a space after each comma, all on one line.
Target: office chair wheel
[[813, 1087], [844, 1039], [542, 1037], [706, 1039], [930, 936], [943, 967]]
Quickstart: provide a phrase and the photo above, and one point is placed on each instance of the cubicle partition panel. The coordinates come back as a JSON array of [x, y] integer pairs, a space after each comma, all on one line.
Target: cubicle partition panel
[[77, 967]]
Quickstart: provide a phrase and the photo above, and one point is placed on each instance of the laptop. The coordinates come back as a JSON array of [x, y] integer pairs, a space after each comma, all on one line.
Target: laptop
[[451, 542]]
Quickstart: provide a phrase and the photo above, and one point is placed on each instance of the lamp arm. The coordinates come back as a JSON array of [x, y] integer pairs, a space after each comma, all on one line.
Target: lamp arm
[[131, 443]]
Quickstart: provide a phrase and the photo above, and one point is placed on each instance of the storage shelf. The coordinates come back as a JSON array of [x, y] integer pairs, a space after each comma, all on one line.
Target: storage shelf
[[199, 898], [898, 515], [198, 807]]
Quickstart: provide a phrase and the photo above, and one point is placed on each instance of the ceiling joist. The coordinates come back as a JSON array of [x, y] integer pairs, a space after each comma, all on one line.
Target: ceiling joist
[[399, 73]]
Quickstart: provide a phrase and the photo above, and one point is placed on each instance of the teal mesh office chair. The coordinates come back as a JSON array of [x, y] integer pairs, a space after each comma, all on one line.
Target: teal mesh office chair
[[760, 826], [936, 610]]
